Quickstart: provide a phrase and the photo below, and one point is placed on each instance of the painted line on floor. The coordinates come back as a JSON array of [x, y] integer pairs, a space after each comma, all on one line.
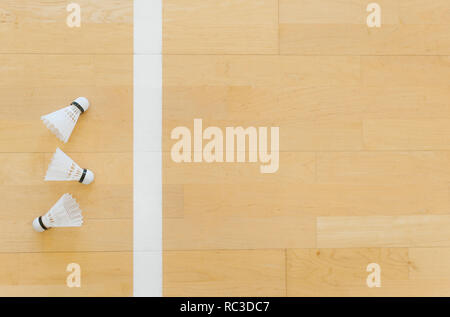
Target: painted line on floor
[[147, 255]]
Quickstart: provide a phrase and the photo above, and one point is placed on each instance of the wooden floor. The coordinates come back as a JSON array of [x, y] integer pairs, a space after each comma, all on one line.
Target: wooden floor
[[364, 121], [364, 173], [44, 65]]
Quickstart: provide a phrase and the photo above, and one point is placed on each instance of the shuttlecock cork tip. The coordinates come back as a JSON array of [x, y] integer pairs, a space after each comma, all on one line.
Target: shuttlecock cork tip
[[37, 226], [83, 102], [87, 177]]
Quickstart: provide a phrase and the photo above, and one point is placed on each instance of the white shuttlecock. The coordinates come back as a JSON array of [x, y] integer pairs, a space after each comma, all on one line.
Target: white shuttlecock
[[63, 168], [62, 122], [65, 213]]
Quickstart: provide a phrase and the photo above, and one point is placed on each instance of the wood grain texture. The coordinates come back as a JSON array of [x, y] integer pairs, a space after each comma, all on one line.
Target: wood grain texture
[[342, 272], [44, 65], [217, 27], [420, 124], [383, 231], [428, 271], [320, 27], [44, 274], [224, 273], [364, 163], [295, 93], [364, 152], [97, 202], [30, 168], [18, 236], [110, 196], [282, 199], [391, 167], [428, 274], [173, 200], [39, 27], [300, 167], [240, 232], [30, 82]]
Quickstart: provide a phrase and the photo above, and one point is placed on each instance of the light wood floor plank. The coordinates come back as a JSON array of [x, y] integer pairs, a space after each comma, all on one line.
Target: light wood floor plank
[[319, 96], [402, 102], [269, 72], [22, 168], [30, 168], [421, 125], [320, 135], [434, 17], [215, 27], [428, 271], [44, 65], [320, 27], [383, 167], [239, 232], [173, 200], [267, 199], [104, 23], [43, 99], [352, 39], [333, 12], [245, 70], [342, 272], [224, 273], [89, 135], [37, 75], [34, 71], [18, 236], [364, 162], [405, 71], [97, 201], [296, 167], [383, 231], [220, 70], [424, 12], [401, 134], [39, 274]]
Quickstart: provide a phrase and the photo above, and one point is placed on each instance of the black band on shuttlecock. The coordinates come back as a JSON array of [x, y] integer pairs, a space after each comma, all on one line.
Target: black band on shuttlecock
[[42, 223], [76, 104], [83, 175]]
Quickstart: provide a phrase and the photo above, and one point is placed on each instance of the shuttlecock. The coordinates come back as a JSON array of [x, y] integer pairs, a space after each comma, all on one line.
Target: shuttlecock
[[65, 213], [62, 122], [63, 168]]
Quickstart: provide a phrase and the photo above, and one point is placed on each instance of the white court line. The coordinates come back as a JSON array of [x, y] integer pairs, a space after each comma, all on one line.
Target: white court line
[[147, 255]]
